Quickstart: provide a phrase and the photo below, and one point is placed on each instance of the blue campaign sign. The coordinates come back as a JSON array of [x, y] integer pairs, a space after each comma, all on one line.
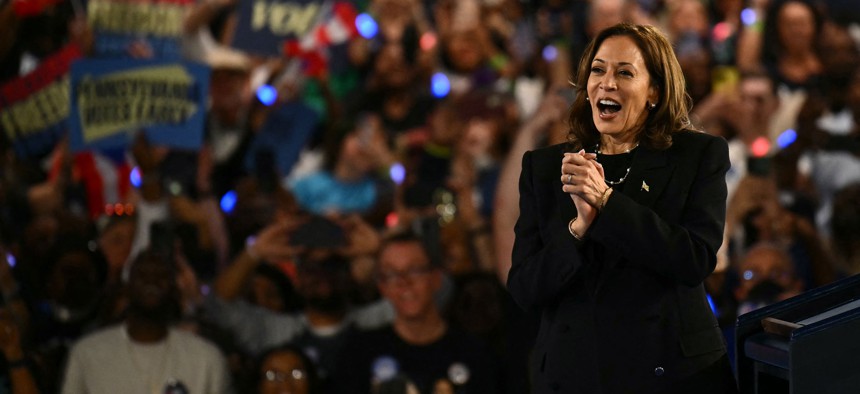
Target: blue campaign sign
[[113, 99], [264, 25]]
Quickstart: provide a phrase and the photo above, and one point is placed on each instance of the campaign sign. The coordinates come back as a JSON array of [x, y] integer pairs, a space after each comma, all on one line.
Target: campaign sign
[[34, 107], [112, 99], [119, 24], [264, 25]]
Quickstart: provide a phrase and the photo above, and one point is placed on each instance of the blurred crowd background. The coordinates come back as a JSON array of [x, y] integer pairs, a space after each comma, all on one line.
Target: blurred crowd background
[[416, 124]]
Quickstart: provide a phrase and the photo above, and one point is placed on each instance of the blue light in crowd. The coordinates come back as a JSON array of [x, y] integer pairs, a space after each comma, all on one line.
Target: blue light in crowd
[[440, 85], [135, 178], [748, 16], [713, 306], [267, 94], [786, 138], [366, 26], [10, 260], [228, 202], [397, 173], [550, 53]]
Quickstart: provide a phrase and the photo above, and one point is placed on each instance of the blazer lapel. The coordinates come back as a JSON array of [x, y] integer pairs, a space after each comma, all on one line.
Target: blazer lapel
[[649, 174]]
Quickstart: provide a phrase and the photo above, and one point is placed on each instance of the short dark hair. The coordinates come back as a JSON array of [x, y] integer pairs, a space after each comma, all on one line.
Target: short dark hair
[[430, 248], [673, 106]]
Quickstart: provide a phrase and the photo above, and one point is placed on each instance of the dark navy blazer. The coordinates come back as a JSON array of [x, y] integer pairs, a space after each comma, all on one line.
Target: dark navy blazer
[[625, 310]]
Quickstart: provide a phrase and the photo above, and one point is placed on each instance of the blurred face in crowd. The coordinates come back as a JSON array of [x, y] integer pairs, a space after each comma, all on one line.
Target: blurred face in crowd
[[796, 27], [115, 243], [407, 280], [355, 152], [446, 127], [766, 263], [605, 13], [284, 372], [463, 48], [619, 87], [228, 91], [265, 293], [758, 103], [152, 288], [689, 16], [324, 283], [391, 67], [842, 56]]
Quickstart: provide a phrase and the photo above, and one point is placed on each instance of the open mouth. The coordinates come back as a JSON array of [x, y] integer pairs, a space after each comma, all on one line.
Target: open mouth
[[607, 106]]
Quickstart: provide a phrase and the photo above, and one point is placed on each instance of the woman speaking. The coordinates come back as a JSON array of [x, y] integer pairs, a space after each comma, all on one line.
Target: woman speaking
[[619, 227]]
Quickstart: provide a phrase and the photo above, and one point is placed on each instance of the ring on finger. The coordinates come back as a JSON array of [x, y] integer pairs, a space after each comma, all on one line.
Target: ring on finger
[[569, 179]]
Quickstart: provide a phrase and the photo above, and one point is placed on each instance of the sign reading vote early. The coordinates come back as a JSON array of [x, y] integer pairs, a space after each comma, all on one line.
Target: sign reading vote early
[[34, 107], [118, 24], [264, 25], [112, 99]]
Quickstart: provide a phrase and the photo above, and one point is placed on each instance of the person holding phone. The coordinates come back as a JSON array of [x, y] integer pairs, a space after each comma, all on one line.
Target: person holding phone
[[618, 229]]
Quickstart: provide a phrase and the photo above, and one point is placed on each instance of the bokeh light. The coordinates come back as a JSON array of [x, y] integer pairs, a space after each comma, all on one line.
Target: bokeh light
[[397, 173], [760, 147], [748, 16], [366, 26], [440, 85], [267, 94], [550, 53], [786, 138], [428, 41], [228, 201], [135, 178]]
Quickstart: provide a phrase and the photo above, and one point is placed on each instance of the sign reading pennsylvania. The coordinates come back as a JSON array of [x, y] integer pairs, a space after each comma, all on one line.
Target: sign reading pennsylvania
[[113, 99], [34, 107], [119, 24], [264, 25]]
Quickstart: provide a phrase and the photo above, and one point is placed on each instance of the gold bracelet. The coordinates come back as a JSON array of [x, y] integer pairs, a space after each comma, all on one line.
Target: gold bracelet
[[570, 228], [603, 198]]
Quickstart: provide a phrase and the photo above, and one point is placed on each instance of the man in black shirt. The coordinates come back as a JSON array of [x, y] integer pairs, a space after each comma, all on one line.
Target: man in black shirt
[[418, 350]]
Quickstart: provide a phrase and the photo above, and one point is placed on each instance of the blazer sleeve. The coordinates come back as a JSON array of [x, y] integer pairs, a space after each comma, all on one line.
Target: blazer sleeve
[[683, 250], [544, 260]]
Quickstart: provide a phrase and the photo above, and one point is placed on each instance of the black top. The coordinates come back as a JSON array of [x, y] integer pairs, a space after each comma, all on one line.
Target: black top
[[381, 357], [615, 166]]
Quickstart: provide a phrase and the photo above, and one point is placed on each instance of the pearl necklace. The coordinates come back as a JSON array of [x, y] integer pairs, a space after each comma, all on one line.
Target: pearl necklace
[[626, 173]]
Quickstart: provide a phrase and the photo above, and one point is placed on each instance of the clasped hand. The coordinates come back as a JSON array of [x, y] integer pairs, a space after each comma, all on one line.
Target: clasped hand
[[583, 178]]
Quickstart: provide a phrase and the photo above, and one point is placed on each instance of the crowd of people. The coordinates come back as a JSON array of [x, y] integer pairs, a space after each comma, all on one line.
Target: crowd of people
[[355, 235]]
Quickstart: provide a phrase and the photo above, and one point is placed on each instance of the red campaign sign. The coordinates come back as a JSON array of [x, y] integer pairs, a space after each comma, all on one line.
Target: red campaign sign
[[49, 70], [25, 8], [35, 106]]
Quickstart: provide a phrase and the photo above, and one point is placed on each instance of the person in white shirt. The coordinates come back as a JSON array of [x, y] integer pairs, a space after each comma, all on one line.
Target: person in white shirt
[[145, 354]]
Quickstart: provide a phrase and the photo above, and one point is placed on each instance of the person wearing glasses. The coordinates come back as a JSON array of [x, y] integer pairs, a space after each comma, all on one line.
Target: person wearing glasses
[[618, 229], [286, 369], [419, 350]]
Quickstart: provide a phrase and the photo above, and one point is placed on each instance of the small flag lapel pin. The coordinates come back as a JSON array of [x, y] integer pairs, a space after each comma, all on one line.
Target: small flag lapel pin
[[645, 186]]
